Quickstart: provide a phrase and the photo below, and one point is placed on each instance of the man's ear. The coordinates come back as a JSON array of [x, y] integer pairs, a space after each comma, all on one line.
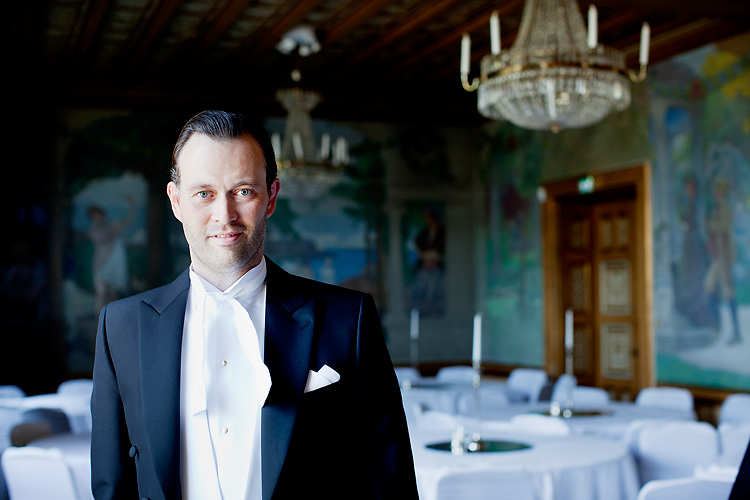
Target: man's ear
[[173, 192], [275, 185]]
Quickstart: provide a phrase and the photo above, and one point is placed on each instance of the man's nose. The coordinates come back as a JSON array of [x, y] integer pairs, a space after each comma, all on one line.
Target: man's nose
[[225, 210]]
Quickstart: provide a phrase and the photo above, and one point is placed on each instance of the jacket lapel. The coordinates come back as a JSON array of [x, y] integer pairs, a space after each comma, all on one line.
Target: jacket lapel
[[288, 344], [160, 325]]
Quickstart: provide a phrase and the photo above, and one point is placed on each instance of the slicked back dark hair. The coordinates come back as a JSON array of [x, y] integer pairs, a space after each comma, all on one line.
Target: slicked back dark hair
[[225, 125]]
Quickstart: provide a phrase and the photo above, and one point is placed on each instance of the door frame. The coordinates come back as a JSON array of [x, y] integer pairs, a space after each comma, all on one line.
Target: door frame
[[639, 178]]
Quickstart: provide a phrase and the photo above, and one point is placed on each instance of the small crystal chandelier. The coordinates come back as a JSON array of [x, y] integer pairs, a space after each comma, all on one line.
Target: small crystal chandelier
[[303, 169], [556, 75]]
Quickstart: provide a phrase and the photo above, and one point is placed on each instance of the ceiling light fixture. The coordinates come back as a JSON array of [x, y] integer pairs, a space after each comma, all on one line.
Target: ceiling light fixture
[[556, 75], [304, 169]]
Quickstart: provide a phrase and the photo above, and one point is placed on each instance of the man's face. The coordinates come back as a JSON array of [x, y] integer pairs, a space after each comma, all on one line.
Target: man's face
[[223, 203]]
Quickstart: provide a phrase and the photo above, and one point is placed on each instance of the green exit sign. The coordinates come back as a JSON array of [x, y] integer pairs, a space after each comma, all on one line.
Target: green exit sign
[[586, 184]]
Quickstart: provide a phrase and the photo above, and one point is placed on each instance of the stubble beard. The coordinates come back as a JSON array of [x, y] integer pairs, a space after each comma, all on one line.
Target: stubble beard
[[238, 258]]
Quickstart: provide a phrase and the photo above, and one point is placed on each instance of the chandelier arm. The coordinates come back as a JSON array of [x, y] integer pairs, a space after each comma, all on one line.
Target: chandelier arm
[[469, 87], [638, 77]]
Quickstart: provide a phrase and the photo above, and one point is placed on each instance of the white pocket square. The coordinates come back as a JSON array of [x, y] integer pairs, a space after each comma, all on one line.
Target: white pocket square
[[323, 377]]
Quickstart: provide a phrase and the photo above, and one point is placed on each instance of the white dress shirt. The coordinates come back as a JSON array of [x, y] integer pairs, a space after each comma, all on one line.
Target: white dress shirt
[[224, 384]]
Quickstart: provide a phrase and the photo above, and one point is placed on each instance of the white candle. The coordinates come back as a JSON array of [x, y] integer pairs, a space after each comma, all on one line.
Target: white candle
[[476, 352], [495, 33], [297, 144], [325, 146], [569, 329], [593, 27], [645, 38], [276, 144], [465, 51], [414, 325]]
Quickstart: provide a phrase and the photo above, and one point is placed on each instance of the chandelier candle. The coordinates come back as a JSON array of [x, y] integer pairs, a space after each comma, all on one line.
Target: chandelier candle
[[645, 39], [495, 33], [465, 51], [414, 324], [476, 353], [593, 27]]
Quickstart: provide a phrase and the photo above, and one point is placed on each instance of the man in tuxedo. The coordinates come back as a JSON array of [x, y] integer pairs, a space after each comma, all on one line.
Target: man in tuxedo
[[239, 381]]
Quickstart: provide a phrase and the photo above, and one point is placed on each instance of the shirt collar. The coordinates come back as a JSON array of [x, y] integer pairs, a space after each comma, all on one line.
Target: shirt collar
[[246, 286]]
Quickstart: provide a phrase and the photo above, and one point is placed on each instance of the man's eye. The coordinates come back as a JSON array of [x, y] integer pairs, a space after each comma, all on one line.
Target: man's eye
[[203, 194], [244, 192]]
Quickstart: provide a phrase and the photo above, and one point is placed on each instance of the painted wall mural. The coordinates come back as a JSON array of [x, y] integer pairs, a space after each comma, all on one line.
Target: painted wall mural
[[700, 115]]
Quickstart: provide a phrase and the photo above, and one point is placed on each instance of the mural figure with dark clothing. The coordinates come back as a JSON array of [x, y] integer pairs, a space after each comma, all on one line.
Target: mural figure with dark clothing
[[428, 292], [691, 299]]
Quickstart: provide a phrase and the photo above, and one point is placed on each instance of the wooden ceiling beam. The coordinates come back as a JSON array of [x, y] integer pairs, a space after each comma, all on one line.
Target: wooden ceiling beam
[[160, 19], [453, 37], [270, 37], [90, 31], [729, 9], [670, 43], [352, 22], [404, 29], [226, 19]]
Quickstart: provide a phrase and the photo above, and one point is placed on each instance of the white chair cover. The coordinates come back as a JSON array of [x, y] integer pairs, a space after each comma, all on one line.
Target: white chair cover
[[563, 384], [11, 391], [38, 474], [590, 397], [76, 387], [735, 408], [733, 441], [404, 373], [540, 424], [674, 449], [76, 407], [528, 382], [688, 488], [458, 374], [492, 484], [675, 398]]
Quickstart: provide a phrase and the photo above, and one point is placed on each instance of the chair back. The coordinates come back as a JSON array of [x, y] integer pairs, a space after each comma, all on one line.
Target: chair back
[[76, 387], [455, 374], [675, 398], [563, 385], [735, 408], [11, 391], [404, 373], [733, 442], [528, 382], [590, 397], [688, 488], [493, 484], [36, 473], [674, 449], [532, 423]]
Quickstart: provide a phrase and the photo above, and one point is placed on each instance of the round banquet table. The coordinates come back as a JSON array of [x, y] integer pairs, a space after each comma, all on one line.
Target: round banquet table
[[77, 451], [581, 467], [612, 423]]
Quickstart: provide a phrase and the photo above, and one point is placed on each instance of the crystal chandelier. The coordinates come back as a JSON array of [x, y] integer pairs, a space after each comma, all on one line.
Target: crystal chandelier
[[556, 75], [304, 170]]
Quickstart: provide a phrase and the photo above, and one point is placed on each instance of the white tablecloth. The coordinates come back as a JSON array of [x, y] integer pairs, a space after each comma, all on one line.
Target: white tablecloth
[[581, 467], [77, 451], [613, 423]]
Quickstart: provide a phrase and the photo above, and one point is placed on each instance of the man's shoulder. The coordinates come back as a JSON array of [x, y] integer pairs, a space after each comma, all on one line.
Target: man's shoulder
[[315, 288], [157, 297]]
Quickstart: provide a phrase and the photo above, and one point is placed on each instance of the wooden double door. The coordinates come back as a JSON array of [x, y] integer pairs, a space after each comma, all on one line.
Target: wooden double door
[[599, 269]]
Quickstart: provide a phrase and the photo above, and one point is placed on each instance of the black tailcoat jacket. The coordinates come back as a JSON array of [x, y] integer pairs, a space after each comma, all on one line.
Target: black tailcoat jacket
[[346, 440]]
